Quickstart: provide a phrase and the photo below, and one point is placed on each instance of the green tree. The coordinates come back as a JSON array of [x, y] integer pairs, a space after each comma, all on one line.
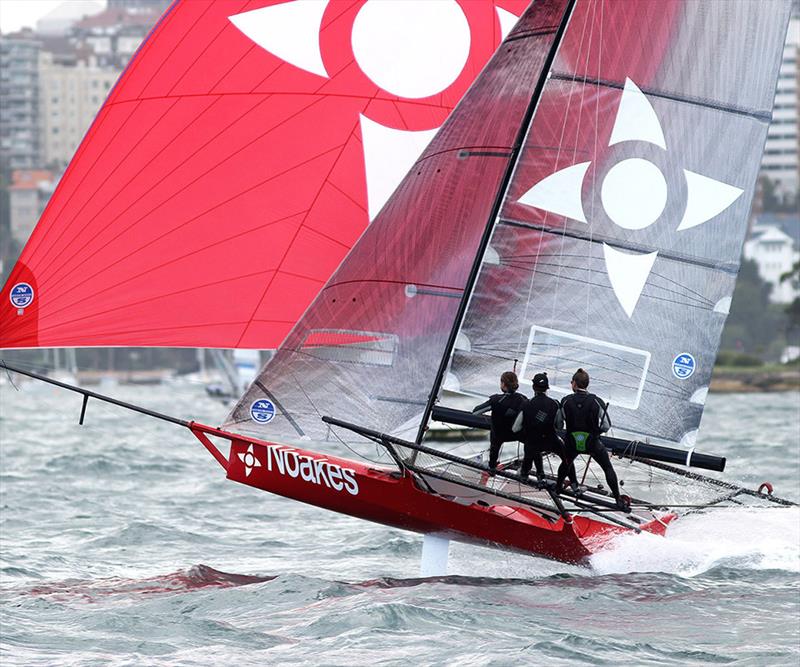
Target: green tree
[[771, 202], [793, 309], [754, 326]]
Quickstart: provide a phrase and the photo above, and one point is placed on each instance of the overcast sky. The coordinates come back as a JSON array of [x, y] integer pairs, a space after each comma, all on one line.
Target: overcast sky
[[16, 14]]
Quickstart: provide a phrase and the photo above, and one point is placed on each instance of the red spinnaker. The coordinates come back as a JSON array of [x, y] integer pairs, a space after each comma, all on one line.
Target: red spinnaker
[[220, 184]]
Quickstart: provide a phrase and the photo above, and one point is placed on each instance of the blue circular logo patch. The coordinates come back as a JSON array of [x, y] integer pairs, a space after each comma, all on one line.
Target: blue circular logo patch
[[21, 295], [262, 411], [683, 366]]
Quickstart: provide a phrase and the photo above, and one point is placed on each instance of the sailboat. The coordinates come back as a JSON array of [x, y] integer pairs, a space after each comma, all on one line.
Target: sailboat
[[584, 204]]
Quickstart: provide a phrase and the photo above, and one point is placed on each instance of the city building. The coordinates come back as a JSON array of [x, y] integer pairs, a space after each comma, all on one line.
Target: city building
[[71, 92], [115, 34], [780, 161], [28, 194], [19, 101], [158, 6], [774, 245], [64, 16]]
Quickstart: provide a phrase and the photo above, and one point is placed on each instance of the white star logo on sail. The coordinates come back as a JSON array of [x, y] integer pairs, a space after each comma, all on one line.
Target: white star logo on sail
[[409, 48], [250, 461], [633, 194]]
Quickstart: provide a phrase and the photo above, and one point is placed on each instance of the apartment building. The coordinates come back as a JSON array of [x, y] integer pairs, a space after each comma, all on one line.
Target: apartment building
[[70, 95], [780, 161], [19, 101]]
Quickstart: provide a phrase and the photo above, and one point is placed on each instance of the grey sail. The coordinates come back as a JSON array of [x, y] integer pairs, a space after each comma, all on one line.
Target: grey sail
[[619, 240], [368, 348]]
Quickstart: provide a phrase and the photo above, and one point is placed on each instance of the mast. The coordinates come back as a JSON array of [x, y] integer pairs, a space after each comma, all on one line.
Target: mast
[[498, 203]]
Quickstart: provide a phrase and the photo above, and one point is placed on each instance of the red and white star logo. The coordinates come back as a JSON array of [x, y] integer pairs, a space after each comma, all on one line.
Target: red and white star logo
[[419, 51], [250, 461]]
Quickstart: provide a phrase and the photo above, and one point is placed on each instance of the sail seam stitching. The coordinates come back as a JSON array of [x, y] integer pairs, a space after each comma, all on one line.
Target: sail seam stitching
[[696, 101], [728, 267]]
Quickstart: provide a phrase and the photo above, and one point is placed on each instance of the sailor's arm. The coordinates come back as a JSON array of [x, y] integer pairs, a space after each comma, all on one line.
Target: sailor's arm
[[605, 420], [559, 420], [483, 407]]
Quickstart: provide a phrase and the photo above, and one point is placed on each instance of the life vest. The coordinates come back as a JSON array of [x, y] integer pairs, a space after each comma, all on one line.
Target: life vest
[[582, 419]]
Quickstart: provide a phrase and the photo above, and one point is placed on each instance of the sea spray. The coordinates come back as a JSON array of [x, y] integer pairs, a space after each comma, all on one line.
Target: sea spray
[[746, 538]]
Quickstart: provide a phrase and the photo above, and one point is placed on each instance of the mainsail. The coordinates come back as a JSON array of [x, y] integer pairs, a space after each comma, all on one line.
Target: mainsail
[[230, 170], [619, 241], [616, 248]]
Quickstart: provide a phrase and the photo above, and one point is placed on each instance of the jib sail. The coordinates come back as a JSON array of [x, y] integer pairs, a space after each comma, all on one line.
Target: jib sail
[[619, 241], [367, 350]]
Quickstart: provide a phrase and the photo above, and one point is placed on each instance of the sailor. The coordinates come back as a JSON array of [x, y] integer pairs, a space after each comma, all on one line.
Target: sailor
[[505, 407], [541, 416], [585, 417]]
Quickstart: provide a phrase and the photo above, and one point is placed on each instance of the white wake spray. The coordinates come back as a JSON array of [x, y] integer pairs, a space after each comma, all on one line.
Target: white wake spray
[[747, 538]]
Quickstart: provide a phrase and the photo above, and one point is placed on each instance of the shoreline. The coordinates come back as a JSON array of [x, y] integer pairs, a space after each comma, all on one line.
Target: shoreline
[[725, 380], [754, 380]]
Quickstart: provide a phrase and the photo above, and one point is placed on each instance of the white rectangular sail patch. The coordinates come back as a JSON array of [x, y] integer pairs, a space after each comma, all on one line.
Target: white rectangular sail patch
[[617, 372], [356, 347]]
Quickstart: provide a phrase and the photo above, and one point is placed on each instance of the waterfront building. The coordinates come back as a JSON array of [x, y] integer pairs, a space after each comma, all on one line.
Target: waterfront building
[[114, 34], [70, 92], [19, 103], [774, 245], [28, 193], [780, 161]]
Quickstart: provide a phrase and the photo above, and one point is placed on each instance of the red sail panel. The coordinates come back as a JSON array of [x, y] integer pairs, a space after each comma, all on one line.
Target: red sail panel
[[224, 179]]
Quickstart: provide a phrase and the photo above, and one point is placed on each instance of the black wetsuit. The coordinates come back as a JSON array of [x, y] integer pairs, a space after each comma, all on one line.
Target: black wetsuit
[[539, 434], [585, 417], [505, 408]]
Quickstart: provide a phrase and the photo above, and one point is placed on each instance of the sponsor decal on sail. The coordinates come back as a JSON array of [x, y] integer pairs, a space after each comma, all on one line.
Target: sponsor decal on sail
[[633, 193], [262, 411], [21, 295], [683, 366]]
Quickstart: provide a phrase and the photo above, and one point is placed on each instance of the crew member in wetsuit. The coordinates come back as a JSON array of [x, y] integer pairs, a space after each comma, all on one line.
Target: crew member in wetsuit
[[505, 407], [541, 416], [586, 417]]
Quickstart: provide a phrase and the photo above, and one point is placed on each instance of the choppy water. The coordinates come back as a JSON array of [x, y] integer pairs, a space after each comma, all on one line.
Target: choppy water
[[121, 543]]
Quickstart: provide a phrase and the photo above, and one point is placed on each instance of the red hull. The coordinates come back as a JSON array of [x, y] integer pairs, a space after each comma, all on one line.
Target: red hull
[[395, 499]]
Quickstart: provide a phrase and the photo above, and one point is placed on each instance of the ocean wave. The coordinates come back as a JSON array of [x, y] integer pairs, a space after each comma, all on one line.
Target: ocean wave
[[194, 578]]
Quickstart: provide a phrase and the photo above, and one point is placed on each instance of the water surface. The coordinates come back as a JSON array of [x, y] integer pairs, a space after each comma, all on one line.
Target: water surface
[[122, 543]]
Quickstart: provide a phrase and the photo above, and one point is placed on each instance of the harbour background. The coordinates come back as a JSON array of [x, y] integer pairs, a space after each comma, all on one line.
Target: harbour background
[[121, 543], [82, 46]]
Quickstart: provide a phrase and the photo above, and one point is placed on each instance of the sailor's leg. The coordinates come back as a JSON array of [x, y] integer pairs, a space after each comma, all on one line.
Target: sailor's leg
[[600, 455], [537, 460], [572, 474], [435, 551], [560, 450], [567, 467], [527, 460], [495, 442]]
